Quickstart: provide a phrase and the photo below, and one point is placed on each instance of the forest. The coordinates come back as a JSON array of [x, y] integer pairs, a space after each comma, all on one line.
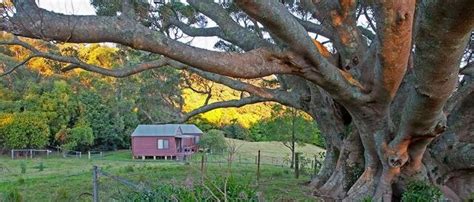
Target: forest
[[386, 86], [41, 107]]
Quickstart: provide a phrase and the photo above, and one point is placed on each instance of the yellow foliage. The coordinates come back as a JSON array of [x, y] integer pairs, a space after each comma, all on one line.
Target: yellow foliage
[[246, 115], [6, 119]]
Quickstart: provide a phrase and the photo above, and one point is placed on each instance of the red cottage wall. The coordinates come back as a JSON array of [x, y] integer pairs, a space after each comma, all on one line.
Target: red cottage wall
[[148, 146]]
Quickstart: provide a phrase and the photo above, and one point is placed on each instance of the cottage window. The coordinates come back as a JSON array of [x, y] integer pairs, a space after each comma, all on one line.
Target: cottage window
[[163, 144], [196, 139]]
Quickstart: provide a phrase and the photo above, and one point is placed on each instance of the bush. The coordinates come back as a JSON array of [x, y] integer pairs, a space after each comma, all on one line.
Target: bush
[[419, 191], [24, 130], [213, 140], [236, 189]]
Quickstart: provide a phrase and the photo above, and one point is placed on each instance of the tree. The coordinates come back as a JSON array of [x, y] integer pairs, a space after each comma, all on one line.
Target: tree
[[213, 141], [78, 138], [24, 130], [291, 128], [385, 87], [236, 131]]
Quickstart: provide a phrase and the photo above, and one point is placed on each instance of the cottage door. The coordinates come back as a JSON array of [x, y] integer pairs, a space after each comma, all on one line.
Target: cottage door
[[179, 144]]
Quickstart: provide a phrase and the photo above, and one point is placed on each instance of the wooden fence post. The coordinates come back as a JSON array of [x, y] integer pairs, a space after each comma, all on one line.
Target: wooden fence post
[[31, 153], [89, 154], [297, 165], [258, 166], [95, 191], [13, 154]]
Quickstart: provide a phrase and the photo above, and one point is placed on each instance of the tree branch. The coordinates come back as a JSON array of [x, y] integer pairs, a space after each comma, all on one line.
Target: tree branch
[[394, 20], [315, 28], [440, 43], [194, 32], [459, 96], [223, 104], [6, 72], [75, 63], [275, 95], [34, 22], [240, 36], [281, 23]]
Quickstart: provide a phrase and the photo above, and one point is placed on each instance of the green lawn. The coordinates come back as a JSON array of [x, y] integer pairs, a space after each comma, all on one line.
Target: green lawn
[[70, 179]]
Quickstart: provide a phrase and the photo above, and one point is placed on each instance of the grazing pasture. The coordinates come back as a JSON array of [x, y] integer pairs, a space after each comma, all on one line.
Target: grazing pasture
[[70, 179]]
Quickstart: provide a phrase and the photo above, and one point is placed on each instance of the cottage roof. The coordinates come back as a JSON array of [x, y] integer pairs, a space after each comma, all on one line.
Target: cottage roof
[[166, 130]]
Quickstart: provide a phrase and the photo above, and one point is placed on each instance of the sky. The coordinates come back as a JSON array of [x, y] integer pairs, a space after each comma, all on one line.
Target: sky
[[83, 7]]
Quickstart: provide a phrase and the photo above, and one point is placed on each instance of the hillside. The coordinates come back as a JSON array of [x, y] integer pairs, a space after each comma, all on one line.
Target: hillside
[[274, 149]]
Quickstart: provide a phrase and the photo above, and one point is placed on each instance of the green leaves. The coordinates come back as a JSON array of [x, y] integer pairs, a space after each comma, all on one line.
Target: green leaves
[[23, 130], [213, 140]]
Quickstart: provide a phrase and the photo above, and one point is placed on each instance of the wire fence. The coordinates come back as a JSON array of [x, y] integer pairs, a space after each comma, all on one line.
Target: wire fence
[[305, 160], [107, 186], [46, 153]]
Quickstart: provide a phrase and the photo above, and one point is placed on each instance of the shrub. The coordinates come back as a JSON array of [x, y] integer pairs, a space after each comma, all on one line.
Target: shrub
[[419, 191], [213, 140], [236, 189]]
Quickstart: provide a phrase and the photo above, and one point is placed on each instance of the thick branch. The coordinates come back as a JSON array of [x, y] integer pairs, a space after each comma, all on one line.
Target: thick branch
[[315, 28], [232, 31], [34, 22], [281, 23], [458, 97], [394, 25], [75, 63], [444, 29], [276, 95]]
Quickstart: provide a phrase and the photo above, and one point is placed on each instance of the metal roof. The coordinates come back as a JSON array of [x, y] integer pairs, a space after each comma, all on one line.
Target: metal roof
[[166, 130]]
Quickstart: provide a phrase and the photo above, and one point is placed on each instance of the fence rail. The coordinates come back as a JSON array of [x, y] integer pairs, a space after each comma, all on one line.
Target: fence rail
[[31, 153], [28, 152], [97, 173], [101, 179]]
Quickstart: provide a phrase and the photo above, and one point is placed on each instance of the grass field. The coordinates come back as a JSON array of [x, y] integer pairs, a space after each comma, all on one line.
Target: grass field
[[70, 179]]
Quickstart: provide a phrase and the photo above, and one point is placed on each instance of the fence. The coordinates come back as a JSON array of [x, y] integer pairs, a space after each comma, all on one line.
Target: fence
[[97, 174], [302, 164], [32, 153], [29, 153], [265, 159]]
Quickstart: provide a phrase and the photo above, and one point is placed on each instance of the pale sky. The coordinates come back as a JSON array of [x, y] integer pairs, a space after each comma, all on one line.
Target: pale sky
[[83, 7]]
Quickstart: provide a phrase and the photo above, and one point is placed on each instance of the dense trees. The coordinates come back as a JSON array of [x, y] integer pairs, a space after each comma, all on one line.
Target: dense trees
[[23, 130], [79, 110], [385, 87]]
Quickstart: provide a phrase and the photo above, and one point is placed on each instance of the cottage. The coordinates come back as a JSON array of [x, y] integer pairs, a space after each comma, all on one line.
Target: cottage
[[167, 141]]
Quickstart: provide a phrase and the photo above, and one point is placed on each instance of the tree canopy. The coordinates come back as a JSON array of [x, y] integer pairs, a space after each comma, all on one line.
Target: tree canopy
[[388, 86]]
